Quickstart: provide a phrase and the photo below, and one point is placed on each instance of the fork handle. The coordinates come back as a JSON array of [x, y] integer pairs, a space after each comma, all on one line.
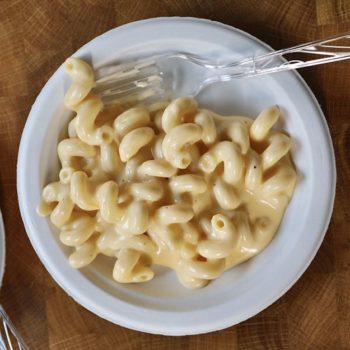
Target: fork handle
[[319, 52]]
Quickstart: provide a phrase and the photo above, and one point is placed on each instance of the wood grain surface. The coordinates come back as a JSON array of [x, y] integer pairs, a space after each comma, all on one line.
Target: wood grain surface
[[35, 38]]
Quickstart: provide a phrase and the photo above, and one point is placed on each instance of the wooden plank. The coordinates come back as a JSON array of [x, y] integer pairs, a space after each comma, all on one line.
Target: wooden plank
[[35, 38]]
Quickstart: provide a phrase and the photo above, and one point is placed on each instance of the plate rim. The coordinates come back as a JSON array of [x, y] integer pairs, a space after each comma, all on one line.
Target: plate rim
[[225, 322], [2, 248]]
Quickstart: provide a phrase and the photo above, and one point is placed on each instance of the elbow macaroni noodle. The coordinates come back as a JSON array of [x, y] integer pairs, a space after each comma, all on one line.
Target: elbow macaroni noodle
[[173, 185]]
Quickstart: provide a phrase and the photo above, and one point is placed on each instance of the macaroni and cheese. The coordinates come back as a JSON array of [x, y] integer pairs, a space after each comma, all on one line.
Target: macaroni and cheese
[[168, 184]]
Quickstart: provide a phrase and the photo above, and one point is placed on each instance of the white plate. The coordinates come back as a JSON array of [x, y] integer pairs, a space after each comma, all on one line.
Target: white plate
[[2, 249], [163, 305]]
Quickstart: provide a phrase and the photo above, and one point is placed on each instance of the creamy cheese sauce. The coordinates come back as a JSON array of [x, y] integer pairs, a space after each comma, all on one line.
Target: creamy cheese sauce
[[169, 184], [263, 217]]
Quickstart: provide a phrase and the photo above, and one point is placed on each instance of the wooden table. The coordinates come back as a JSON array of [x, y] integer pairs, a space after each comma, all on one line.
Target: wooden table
[[35, 38]]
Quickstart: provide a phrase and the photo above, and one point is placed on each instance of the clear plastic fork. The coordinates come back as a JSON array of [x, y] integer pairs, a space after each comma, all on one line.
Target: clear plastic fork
[[167, 75], [9, 337]]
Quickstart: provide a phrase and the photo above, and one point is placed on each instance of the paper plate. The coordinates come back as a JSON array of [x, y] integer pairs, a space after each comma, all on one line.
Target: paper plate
[[163, 305], [2, 249]]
